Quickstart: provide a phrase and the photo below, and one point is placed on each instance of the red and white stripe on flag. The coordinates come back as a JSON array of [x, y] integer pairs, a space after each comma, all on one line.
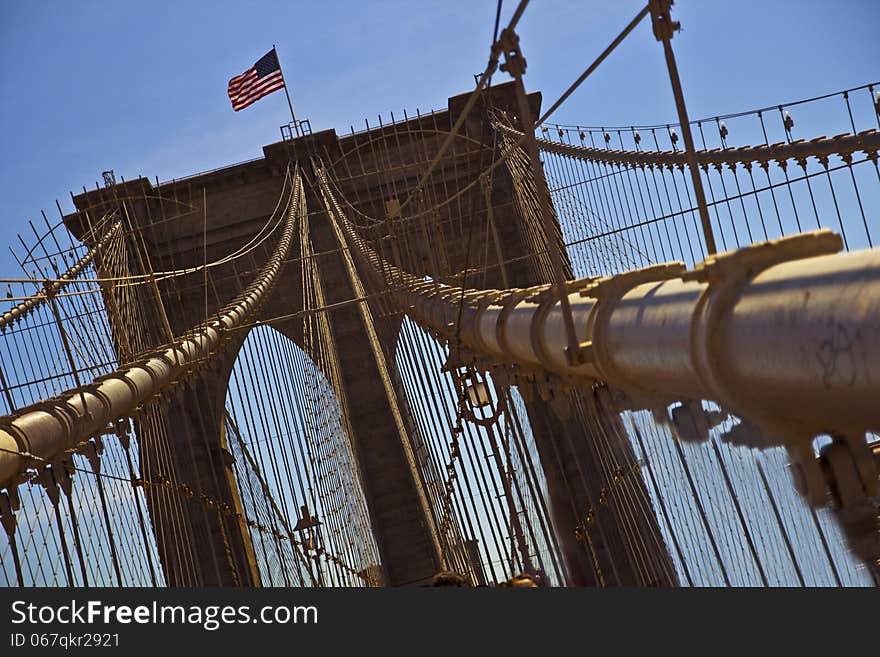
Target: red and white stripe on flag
[[261, 79]]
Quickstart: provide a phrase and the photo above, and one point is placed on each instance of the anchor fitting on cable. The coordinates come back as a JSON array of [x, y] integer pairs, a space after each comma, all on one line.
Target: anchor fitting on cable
[[661, 20], [9, 504], [851, 475], [514, 62]]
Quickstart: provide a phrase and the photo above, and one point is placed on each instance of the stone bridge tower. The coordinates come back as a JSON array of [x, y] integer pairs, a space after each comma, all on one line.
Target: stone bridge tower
[[201, 218]]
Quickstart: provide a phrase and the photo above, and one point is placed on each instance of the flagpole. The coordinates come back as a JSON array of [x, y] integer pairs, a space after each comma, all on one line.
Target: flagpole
[[289, 103]]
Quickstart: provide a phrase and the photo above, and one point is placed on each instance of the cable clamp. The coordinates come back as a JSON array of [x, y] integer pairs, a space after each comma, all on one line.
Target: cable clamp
[[749, 261], [608, 290]]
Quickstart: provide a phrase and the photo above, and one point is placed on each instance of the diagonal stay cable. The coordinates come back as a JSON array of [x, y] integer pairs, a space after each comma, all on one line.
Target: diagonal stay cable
[[472, 100]]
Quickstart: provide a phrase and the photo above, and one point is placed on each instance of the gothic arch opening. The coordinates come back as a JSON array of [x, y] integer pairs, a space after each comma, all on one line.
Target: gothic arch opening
[[299, 487]]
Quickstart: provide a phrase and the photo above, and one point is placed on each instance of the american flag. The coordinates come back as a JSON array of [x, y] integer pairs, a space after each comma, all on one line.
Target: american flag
[[261, 79]]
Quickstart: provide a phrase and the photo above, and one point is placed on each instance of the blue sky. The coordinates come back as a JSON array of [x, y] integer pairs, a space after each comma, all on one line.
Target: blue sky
[[141, 87]]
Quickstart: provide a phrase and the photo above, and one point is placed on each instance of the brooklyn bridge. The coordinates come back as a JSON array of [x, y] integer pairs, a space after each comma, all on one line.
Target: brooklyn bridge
[[470, 346]]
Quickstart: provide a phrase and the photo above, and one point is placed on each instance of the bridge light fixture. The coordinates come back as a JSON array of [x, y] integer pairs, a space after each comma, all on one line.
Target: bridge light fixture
[[307, 527], [478, 394]]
